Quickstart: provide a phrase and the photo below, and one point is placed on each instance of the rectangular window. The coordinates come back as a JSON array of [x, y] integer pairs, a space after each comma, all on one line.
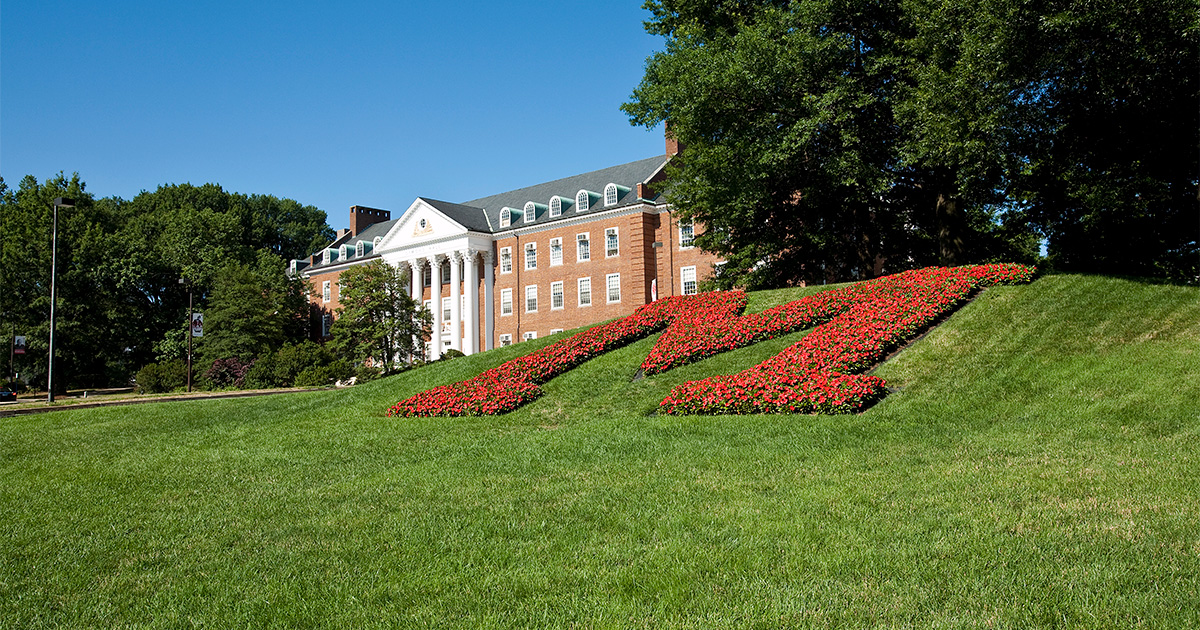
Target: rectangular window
[[687, 235], [556, 295], [611, 245], [325, 291], [505, 260], [506, 301], [687, 277], [583, 248], [554, 331], [613, 282], [446, 272], [531, 298], [326, 323], [529, 336], [531, 255], [555, 251], [585, 291], [505, 340], [446, 302]]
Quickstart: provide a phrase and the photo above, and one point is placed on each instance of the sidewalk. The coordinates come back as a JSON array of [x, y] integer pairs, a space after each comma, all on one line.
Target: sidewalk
[[27, 405]]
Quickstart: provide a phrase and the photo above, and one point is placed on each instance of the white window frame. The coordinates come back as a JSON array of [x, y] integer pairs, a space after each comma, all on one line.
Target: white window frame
[[583, 245], [505, 340], [447, 305], [326, 256], [326, 293], [684, 272], [530, 248], [608, 288], [582, 201], [584, 286], [555, 331], [530, 211], [360, 249], [375, 243], [555, 206], [505, 260], [505, 217], [529, 335], [616, 239], [610, 195], [506, 302], [556, 243], [687, 235], [342, 252], [532, 294], [558, 297]]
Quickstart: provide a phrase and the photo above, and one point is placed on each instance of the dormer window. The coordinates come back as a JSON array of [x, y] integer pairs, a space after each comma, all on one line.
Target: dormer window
[[530, 212], [375, 243], [584, 199], [342, 253], [613, 194], [360, 249], [294, 266], [555, 206], [505, 217], [325, 256]]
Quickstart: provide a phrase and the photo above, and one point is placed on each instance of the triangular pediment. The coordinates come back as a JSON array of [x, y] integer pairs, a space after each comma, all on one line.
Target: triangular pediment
[[421, 223]]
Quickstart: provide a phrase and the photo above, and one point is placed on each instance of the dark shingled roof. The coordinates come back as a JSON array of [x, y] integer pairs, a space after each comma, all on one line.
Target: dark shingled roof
[[469, 217], [627, 175]]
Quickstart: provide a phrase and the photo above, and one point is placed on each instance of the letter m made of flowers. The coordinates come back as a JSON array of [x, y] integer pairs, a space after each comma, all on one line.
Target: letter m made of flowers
[[856, 326]]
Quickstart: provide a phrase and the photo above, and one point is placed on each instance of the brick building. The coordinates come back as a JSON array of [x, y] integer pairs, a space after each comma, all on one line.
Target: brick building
[[528, 262]]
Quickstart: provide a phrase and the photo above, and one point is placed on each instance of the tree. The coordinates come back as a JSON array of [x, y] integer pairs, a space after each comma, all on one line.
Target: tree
[[253, 310], [833, 140], [377, 321]]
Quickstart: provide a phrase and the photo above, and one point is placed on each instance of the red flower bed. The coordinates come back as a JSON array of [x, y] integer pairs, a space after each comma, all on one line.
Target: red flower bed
[[814, 375], [874, 315]]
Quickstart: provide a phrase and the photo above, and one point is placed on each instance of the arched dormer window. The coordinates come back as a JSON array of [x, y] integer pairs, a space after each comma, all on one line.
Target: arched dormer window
[[326, 256], [375, 243], [555, 206], [360, 249], [342, 253], [530, 212], [613, 194], [584, 200], [508, 216]]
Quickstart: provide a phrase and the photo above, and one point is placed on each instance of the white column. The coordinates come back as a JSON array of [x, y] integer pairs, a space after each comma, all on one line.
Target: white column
[[472, 280], [415, 292], [455, 301], [435, 303], [489, 279]]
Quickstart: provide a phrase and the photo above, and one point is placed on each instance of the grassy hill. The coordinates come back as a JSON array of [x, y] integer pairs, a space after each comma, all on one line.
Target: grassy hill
[[1036, 466]]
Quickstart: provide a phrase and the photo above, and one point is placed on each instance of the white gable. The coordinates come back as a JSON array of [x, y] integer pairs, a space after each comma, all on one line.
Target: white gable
[[421, 223]]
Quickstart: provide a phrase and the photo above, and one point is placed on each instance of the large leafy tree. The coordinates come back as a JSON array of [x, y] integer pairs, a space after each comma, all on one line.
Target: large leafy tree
[[825, 137], [120, 261], [377, 321], [253, 310]]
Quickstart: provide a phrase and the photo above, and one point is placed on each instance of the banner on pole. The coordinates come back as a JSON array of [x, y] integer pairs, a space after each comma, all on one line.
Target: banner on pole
[[197, 324], [19, 344]]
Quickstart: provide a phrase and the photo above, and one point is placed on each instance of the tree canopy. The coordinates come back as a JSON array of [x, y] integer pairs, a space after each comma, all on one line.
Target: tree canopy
[[833, 140], [120, 261], [377, 321]]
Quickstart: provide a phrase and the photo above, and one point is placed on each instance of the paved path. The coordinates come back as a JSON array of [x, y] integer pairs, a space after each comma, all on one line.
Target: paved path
[[20, 408]]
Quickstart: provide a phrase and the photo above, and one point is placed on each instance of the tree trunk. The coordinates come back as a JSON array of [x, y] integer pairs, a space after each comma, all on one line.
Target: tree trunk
[[950, 227]]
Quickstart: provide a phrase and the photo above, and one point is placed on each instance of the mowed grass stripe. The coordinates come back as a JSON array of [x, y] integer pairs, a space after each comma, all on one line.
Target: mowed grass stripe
[[1036, 467]]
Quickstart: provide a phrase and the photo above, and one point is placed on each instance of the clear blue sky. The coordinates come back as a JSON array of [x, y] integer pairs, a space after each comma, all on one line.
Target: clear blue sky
[[329, 103]]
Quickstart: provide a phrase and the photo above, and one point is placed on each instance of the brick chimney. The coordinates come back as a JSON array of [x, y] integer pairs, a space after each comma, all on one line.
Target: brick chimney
[[673, 146], [361, 217]]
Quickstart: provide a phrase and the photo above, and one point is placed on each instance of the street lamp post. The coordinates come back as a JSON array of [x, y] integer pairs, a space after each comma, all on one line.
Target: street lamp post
[[188, 284], [59, 202]]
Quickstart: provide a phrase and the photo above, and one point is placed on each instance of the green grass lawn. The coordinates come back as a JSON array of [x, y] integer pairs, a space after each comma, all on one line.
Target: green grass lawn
[[1035, 466]]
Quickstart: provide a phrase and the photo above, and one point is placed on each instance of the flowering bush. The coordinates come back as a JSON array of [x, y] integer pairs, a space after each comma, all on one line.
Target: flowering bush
[[815, 374], [864, 320]]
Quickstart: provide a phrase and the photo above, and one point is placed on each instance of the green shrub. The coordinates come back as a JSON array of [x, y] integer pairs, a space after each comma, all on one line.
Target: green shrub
[[229, 372], [451, 354], [162, 377], [292, 359], [339, 370], [261, 374], [364, 373]]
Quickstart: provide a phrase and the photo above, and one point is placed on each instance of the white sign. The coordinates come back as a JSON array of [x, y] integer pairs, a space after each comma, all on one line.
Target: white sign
[[197, 324], [654, 289]]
